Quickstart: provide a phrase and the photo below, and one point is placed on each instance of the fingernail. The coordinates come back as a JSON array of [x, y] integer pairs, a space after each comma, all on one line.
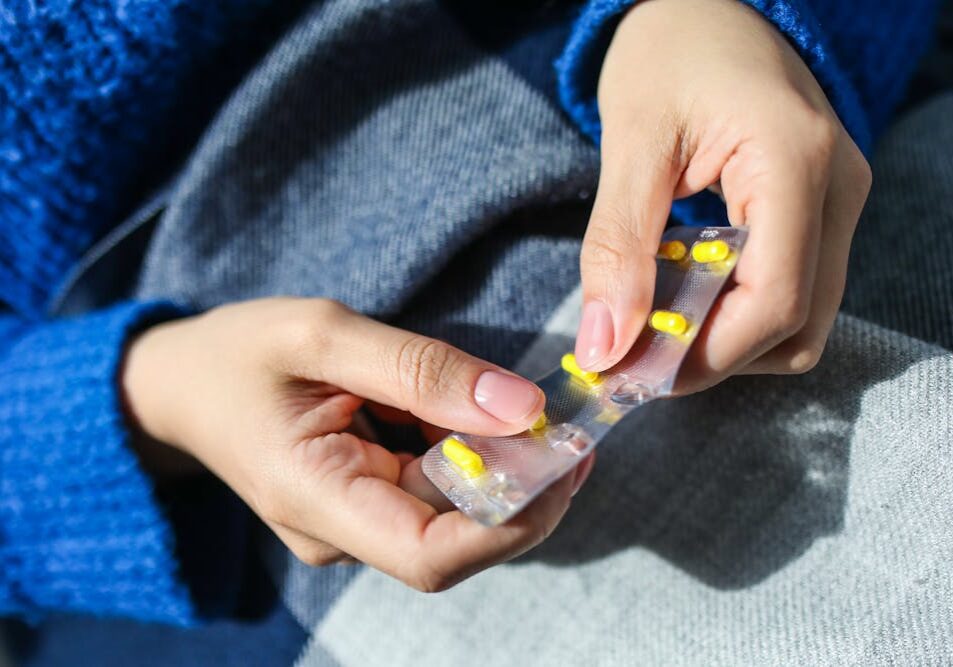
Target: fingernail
[[507, 397], [582, 474], [595, 334]]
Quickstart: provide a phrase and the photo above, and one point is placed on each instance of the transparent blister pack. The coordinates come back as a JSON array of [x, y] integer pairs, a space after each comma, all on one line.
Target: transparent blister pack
[[491, 479]]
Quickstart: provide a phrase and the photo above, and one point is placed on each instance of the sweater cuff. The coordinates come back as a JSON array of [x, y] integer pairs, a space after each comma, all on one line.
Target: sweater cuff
[[577, 69], [80, 529]]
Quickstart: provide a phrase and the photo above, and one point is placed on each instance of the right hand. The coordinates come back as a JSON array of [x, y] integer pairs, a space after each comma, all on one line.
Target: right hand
[[263, 392]]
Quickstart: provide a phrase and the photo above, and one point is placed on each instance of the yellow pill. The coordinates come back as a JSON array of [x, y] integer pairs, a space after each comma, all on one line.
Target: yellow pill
[[673, 250], [540, 422], [465, 459], [706, 252], [668, 322], [570, 365]]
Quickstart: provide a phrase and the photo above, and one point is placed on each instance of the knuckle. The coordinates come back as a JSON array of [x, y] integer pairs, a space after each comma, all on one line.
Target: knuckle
[[860, 175], [423, 366], [429, 584], [601, 252], [541, 531], [805, 355], [821, 134], [330, 454], [315, 555], [326, 309], [790, 314], [265, 493], [543, 526], [272, 494], [428, 579], [272, 511], [307, 324]]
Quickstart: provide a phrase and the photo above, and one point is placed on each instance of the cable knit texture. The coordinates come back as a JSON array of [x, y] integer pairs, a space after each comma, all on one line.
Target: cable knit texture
[[90, 93], [78, 525]]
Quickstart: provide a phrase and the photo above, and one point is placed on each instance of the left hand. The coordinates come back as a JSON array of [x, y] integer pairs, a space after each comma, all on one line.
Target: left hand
[[697, 94]]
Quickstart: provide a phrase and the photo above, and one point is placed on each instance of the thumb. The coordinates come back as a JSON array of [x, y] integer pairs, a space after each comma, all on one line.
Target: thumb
[[618, 252], [424, 376]]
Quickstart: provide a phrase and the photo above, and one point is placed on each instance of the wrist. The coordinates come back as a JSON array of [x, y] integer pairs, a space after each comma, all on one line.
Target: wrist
[[148, 384]]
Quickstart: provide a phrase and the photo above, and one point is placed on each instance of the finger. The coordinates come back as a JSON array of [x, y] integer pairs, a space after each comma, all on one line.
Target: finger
[[405, 458], [433, 551], [331, 413], [845, 200], [415, 482], [617, 262], [429, 378], [298, 477], [346, 496], [386, 527], [306, 549], [780, 198]]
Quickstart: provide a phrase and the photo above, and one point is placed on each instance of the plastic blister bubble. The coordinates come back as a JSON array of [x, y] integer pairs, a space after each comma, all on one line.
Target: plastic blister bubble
[[491, 479]]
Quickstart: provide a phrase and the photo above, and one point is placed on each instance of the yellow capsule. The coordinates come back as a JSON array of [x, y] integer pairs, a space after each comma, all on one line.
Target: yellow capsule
[[540, 422], [668, 322], [570, 365], [465, 459], [673, 250], [705, 252]]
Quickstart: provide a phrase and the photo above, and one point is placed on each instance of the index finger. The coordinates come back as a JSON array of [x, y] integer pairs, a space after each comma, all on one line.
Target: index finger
[[424, 376]]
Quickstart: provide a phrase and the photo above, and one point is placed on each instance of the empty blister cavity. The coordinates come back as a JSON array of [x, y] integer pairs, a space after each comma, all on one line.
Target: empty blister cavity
[[505, 491], [569, 439], [492, 479], [631, 394]]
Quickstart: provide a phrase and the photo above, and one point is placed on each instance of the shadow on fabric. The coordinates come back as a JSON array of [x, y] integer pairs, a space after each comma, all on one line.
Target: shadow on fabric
[[731, 484]]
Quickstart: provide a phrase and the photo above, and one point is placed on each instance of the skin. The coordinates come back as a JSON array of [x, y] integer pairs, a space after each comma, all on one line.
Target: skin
[[693, 94], [268, 404], [686, 107]]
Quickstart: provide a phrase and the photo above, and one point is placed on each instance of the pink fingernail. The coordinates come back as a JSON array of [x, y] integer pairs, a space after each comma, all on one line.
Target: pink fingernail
[[507, 397], [595, 334]]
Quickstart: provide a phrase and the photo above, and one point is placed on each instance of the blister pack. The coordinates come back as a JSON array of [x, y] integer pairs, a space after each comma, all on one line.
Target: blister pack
[[491, 479]]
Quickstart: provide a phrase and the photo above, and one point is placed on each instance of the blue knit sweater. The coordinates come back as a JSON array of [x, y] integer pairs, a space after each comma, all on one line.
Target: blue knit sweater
[[90, 96]]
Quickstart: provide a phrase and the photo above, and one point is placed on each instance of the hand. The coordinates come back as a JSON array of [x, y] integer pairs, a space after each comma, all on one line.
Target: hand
[[263, 392], [697, 94]]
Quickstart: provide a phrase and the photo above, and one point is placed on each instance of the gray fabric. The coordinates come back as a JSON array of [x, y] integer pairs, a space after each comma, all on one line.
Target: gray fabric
[[374, 175], [782, 521], [771, 521], [901, 269]]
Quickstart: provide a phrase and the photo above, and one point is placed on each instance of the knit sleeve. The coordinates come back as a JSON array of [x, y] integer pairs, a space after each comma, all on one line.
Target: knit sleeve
[[80, 529], [862, 53]]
